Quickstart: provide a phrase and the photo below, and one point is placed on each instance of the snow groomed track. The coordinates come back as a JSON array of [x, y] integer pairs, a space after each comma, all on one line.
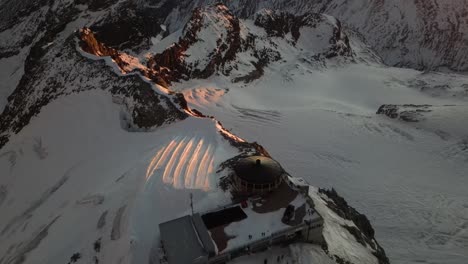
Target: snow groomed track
[[185, 162]]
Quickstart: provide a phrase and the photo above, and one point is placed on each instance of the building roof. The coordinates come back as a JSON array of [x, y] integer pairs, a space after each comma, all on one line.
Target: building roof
[[258, 170], [203, 234], [181, 241]]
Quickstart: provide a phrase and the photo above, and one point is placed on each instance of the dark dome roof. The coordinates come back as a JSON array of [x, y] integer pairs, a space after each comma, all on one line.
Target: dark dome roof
[[258, 170]]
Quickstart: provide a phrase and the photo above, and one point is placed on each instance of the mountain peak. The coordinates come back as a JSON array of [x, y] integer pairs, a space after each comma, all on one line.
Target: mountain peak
[[215, 41]]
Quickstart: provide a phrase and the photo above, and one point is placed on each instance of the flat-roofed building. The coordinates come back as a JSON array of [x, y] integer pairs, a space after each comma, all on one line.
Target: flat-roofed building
[[186, 240], [252, 225]]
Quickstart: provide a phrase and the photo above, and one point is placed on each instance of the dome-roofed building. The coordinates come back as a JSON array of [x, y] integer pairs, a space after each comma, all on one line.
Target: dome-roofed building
[[257, 174]]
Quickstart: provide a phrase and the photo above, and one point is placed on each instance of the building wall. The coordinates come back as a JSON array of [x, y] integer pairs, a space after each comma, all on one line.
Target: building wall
[[314, 233], [244, 186]]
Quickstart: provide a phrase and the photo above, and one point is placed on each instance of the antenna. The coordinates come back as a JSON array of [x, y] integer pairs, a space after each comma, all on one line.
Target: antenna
[[191, 202]]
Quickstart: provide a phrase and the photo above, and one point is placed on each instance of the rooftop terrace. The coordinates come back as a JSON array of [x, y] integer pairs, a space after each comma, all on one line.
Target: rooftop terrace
[[261, 219]]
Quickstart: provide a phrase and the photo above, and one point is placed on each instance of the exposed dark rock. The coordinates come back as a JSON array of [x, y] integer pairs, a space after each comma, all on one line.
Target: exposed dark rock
[[356, 233], [364, 233], [279, 24], [341, 207], [341, 261], [253, 75], [171, 64], [75, 74], [407, 113], [131, 25], [97, 245], [90, 44], [12, 119], [337, 49], [12, 16], [264, 56], [95, 5], [75, 257], [147, 110]]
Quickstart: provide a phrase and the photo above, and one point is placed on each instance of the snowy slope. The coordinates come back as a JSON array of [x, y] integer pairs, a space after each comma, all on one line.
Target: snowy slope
[[111, 184]]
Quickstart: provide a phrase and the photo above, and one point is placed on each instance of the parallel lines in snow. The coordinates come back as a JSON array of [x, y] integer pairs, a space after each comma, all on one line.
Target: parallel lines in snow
[[209, 173], [202, 171], [168, 176], [185, 163], [193, 164], [166, 153], [181, 167], [153, 162], [258, 116]]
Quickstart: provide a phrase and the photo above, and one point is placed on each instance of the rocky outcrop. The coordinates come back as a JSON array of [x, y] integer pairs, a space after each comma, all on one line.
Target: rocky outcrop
[[129, 26], [417, 34], [146, 105], [212, 42], [57, 70], [90, 44], [363, 232], [279, 24], [147, 108], [94, 5], [20, 23], [172, 63], [407, 113]]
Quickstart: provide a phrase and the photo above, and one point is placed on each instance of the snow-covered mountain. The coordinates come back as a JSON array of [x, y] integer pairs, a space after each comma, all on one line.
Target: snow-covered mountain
[[112, 111], [214, 41], [416, 34]]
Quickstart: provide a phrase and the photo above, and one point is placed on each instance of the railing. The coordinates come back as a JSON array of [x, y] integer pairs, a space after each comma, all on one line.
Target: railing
[[274, 238]]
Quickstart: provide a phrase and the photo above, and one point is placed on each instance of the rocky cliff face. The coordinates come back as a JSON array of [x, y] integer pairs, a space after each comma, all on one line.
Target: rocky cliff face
[[55, 67], [214, 32], [363, 231], [416, 34], [215, 41], [62, 70]]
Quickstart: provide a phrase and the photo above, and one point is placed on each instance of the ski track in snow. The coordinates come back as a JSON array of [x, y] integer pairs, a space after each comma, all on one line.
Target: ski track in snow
[[185, 162], [259, 116]]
